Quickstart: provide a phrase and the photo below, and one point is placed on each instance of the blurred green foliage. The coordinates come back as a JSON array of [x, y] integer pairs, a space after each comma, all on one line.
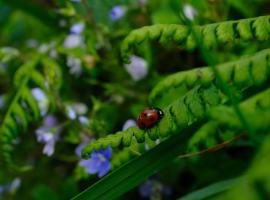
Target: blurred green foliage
[[61, 60]]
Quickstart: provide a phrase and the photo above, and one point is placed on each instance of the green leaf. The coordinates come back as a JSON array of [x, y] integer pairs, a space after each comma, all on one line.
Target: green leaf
[[44, 15], [17, 110], [38, 78], [211, 190], [137, 170], [43, 192], [11, 124], [8, 53], [27, 96]]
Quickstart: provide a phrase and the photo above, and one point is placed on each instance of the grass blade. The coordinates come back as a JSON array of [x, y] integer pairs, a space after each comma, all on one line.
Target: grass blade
[[211, 190], [138, 169]]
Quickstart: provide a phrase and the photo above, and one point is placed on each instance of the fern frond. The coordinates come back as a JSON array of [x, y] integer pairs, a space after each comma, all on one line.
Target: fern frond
[[120, 158], [20, 110], [31, 102], [209, 35], [177, 116], [39, 80], [247, 71], [255, 108], [53, 72], [224, 124]]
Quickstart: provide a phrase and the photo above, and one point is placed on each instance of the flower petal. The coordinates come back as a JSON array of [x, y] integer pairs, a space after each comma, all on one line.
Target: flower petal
[[95, 155], [70, 113], [49, 148], [77, 28], [129, 123], [137, 69], [43, 135], [94, 166], [79, 148], [107, 153], [146, 189], [117, 12], [50, 121], [73, 41], [104, 168], [84, 163], [42, 100]]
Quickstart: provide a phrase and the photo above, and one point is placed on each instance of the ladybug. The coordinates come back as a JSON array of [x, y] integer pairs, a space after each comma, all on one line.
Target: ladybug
[[149, 117]]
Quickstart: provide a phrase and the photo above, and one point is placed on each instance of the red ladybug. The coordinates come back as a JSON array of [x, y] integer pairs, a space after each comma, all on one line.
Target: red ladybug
[[149, 117]]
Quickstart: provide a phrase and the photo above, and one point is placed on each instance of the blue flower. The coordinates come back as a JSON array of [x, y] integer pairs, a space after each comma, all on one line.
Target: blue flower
[[3, 189], [189, 11], [137, 69], [75, 66], [154, 187], [73, 41], [129, 123], [77, 29], [10, 187], [48, 134], [99, 161], [42, 100], [117, 12], [14, 185], [77, 110], [83, 120], [2, 101]]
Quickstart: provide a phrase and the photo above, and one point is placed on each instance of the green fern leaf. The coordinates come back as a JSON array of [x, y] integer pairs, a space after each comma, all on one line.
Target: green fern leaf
[[18, 111], [177, 116], [28, 98], [243, 73], [209, 35]]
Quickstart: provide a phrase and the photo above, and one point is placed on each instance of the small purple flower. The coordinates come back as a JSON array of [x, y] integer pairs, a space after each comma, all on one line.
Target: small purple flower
[[137, 69], [154, 187], [117, 12], [14, 185], [75, 65], [83, 120], [129, 123], [146, 189], [189, 11], [70, 113], [77, 29], [2, 101], [73, 41], [3, 189], [42, 100], [75, 110], [99, 161], [48, 134], [10, 187]]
